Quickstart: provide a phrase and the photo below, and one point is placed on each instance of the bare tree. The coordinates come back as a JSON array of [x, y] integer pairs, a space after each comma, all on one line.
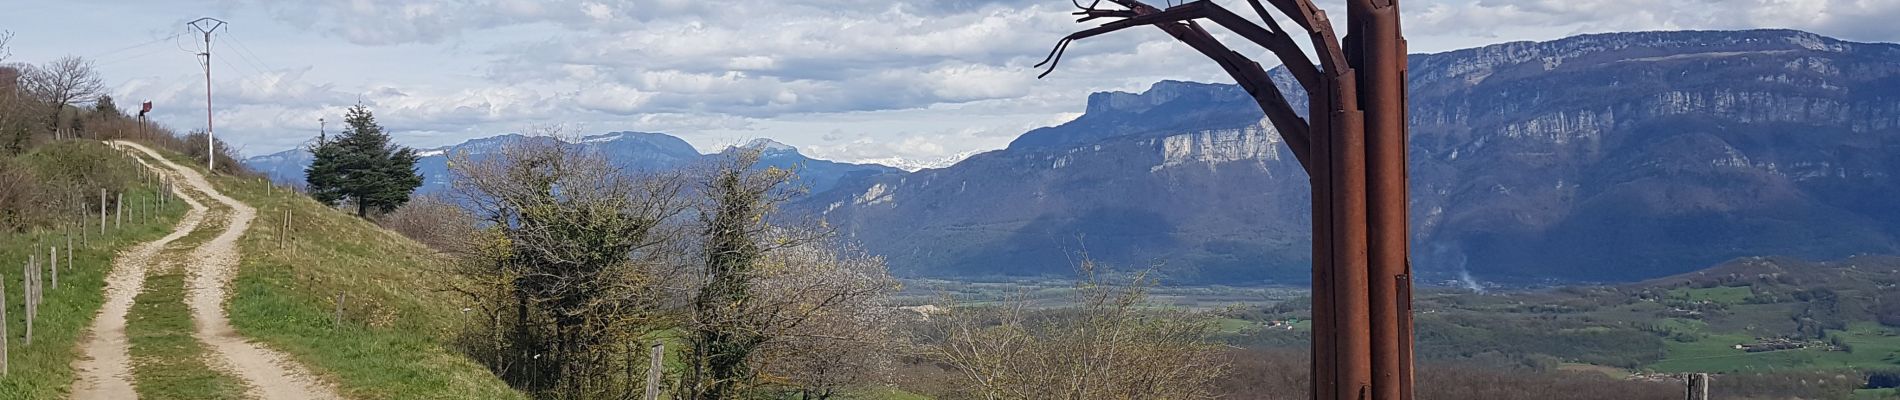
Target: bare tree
[[69, 80], [572, 267], [766, 291], [821, 309], [18, 109], [1113, 345], [6, 48]]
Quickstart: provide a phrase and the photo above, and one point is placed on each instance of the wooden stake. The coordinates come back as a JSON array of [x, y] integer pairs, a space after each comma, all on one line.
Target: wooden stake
[[653, 371], [118, 212], [4, 357], [26, 288], [52, 258], [338, 320]]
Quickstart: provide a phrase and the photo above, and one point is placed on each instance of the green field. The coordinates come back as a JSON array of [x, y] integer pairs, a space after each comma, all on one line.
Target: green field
[[1872, 346], [1720, 294]]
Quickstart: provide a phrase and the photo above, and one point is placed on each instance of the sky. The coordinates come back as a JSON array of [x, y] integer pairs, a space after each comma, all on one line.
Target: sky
[[850, 80]]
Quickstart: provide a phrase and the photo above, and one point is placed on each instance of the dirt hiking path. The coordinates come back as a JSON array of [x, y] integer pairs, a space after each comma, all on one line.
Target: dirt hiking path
[[267, 373], [105, 367]]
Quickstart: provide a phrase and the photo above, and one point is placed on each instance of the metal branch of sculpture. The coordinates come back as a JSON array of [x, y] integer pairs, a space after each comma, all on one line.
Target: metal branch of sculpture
[[1352, 145]]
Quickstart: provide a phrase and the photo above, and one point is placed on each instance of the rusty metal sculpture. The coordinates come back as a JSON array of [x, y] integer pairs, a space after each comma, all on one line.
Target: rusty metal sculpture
[[1352, 144]]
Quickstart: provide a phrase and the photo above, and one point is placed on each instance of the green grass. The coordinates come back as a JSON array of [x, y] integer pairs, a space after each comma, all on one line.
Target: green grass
[[1719, 294], [167, 362], [1871, 394], [44, 369], [390, 344], [1235, 325], [1873, 346], [1673, 326]]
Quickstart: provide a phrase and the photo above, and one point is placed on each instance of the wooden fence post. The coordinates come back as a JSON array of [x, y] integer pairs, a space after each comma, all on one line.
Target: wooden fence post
[[118, 212], [52, 259], [338, 319], [4, 357], [653, 371], [26, 289], [102, 211], [1698, 387]]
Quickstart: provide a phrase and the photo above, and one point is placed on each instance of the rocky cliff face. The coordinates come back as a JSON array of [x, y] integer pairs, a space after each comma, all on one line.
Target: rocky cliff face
[[1598, 157]]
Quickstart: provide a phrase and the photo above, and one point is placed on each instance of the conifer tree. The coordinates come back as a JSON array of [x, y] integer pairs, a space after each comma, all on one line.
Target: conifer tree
[[106, 108], [362, 167]]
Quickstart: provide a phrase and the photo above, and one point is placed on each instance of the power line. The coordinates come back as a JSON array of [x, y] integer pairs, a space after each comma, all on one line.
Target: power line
[[242, 77], [147, 43], [246, 50], [260, 70], [133, 56]]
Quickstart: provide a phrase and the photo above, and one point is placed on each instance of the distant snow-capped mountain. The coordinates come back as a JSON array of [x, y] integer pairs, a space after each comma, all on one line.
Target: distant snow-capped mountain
[[914, 165]]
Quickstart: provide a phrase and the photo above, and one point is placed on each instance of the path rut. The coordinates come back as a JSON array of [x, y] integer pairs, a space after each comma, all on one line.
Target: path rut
[[268, 374], [105, 367]]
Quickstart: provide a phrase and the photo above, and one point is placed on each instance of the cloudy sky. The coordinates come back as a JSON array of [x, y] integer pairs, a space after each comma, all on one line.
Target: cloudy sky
[[841, 79]]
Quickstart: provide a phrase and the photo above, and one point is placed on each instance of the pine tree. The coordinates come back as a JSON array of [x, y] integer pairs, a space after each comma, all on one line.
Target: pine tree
[[362, 167], [105, 107]]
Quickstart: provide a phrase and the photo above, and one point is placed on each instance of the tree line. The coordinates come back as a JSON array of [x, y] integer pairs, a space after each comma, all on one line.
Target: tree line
[[577, 267], [45, 170]]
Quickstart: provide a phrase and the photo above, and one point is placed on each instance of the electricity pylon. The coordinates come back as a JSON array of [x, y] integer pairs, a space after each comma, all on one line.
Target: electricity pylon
[[207, 25]]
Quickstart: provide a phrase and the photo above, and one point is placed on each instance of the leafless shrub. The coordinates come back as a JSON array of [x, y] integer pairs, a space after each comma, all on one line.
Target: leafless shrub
[[194, 146], [822, 317], [18, 190], [777, 307], [432, 221]]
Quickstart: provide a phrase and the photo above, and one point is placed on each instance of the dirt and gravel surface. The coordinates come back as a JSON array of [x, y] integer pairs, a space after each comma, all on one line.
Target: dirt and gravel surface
[[105, 367], [268, 374]]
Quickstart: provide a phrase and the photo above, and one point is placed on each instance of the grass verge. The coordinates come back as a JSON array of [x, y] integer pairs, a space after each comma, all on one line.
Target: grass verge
[[389, 343], [43, 370], [167, 361]]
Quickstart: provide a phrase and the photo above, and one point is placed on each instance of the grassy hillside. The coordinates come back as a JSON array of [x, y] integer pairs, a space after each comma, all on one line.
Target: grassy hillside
[[396, 317], [43, 370]]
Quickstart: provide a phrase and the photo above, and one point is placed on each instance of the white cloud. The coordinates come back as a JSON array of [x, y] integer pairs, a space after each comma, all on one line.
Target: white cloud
[[1867, 20], [851, 79]]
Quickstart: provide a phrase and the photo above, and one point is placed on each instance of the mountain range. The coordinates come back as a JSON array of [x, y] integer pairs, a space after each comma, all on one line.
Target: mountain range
[[1605, 157], [634, 151]]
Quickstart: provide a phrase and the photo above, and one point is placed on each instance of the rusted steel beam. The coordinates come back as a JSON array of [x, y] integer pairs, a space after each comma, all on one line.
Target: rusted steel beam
[[1177, 22], [1276, 42], [1293, 130], [1352, 342], [1381, 73], [1319, 30], [1324, 329], [1352, 144]]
